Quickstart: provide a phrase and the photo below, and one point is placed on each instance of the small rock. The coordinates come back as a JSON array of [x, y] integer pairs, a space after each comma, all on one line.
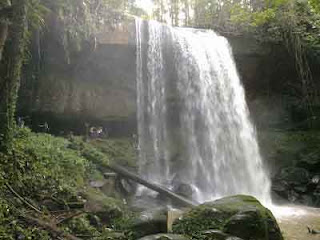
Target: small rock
[[165, 236], [219, 235], [149, 222], [300, 189], [97, 184], [315, 179], [294, 175], [184, 190]]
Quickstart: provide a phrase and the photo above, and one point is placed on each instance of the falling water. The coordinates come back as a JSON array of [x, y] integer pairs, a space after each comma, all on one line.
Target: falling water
[[193, 121]]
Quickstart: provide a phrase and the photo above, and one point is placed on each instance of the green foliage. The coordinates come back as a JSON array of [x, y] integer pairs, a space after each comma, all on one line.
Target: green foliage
[[288, 148], [80, 20], [36, 14], [249, 21], [48, 166], [89, 152], [43, 161], [121, 151], [11, 228], [109, 210], [81, 226], [51, 174], [315, 4], [295, 25]]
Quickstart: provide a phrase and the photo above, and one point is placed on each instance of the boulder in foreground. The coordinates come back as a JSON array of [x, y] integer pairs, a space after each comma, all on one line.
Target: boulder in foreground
[[240, 216]]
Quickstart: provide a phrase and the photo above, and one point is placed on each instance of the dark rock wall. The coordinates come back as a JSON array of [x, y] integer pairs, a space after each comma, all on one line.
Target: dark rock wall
[[94, 85], [267, 73]]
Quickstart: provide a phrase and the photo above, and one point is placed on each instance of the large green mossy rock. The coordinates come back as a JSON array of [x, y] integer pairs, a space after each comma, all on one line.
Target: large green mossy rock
[[241, 216], [165, 236]]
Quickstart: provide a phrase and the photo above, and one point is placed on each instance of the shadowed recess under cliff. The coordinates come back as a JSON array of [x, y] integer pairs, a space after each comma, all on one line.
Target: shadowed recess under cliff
[[193, 121]]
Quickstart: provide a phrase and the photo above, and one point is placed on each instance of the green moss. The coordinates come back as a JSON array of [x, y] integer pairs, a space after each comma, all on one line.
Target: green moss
[[51, 173], [120, 150], [287, 148], [80, 226], [107, 208], [236, 215], [38, 162], [234, 204]]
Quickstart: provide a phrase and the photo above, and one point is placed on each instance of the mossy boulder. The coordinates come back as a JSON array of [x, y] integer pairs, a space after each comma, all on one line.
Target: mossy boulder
[[165, 236], [241, 216]]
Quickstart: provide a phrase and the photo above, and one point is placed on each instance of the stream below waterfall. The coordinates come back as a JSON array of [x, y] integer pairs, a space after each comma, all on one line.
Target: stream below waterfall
[[294, 220]]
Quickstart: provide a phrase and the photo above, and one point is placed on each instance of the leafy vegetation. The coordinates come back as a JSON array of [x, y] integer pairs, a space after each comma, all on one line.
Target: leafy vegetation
[[122, 151], [45, 177], [290, 148], [21, 21]]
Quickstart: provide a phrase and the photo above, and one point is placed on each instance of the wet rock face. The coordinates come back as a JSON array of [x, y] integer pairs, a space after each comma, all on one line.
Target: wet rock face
[[298, 185], [237, 216], [295, 175], [184, 190], [96, 85]]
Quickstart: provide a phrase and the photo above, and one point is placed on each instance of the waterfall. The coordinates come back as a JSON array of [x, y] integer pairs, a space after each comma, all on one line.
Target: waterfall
[[193, 122]]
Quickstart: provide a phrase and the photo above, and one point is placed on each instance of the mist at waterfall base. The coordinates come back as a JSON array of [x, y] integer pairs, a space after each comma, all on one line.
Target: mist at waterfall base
[[193, 122]]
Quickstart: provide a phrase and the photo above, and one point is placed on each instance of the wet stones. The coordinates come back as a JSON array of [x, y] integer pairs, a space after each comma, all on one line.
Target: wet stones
[[298, 185], [218, 235], [165, 236], [149, 222]]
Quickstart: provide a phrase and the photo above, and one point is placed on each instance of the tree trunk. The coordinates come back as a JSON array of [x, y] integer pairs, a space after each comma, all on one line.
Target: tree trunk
[[13, 63], [4, 22], [165, 192], [3, 36]]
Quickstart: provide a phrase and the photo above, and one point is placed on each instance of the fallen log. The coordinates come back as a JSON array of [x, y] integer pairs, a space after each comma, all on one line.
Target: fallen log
[[162, 190]]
